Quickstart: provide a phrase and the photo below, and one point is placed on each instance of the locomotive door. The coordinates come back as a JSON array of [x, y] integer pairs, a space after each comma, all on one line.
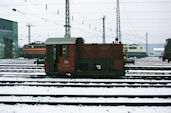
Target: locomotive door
[[66, 58], [52, 58], [55, 58]]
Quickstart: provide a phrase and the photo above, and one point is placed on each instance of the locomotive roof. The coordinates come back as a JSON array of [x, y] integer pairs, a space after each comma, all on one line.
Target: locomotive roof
[[50, 41]]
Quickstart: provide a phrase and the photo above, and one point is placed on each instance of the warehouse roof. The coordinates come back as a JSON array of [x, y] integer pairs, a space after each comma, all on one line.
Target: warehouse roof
[[50, 41]]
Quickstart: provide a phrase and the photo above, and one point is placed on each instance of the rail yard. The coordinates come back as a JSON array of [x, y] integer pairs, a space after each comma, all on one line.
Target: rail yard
[[24, 85], [107, 57]]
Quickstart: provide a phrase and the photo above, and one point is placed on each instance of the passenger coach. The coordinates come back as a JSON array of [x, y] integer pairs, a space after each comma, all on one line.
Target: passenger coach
[[70, 57]]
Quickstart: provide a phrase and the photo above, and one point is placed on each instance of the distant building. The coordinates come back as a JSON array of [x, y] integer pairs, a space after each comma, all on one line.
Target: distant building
[[8, 39]]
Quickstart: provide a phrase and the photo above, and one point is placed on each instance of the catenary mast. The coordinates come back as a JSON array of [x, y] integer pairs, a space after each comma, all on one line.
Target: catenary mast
[[29, 33], [104, 29], [67, 20], [118, 27]]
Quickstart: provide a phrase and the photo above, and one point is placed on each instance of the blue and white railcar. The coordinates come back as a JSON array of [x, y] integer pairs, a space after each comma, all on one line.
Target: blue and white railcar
[[134, 50]]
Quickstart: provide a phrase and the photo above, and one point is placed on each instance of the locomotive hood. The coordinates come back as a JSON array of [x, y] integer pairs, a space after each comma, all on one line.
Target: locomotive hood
[[51, 41]]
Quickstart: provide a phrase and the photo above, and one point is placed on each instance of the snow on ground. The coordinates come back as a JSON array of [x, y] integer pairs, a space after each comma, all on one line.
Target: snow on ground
[[79, 84], [78, 80], [149, 71], [21, 73], [75, 90], [22, 108], [80, 99], [150, 61], [17, 61]]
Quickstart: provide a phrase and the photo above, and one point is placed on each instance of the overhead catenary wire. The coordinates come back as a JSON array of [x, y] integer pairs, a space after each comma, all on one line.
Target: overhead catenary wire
[[99, 2], [55, 21]]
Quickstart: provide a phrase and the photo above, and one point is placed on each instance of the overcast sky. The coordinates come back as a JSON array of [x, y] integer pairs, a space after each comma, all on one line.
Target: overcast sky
[[137, 18]]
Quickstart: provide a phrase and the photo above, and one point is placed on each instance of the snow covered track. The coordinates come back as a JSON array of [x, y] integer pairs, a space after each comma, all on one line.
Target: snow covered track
[[42, 75], [90, 100], [149, 71], [147, 77], [19, 71], [158, 85], [21, 66], [87, 81], [133, 67], [90, 103], [88, 96], [28, 85]]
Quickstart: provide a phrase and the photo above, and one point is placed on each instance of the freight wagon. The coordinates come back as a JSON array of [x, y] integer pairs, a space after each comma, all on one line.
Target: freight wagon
[[70, 57]]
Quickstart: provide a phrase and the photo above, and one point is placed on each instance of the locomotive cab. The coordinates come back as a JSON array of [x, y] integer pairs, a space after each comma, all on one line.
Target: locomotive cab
[[60, 55]]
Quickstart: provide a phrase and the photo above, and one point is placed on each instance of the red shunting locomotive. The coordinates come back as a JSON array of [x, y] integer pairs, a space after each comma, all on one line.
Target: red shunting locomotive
[[70, 57]]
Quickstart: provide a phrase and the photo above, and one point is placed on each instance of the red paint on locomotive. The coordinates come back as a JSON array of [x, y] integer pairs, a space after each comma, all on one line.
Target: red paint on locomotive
[[67, 64], [84, 60]]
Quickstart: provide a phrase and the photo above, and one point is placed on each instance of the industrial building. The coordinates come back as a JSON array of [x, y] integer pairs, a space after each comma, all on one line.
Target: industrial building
[[8, 39]]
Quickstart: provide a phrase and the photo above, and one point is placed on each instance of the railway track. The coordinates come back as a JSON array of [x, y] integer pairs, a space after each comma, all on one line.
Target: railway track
[[97, 102], [163, 72], [163, 67], [6, 71], [151, 72], [88, 85], [86, 81], [36, 71], [148, 77], [90, 103], [99, 84], [32, 78], [35, 66], [21, 66], [42, 75], [17, 64], [88, 96]]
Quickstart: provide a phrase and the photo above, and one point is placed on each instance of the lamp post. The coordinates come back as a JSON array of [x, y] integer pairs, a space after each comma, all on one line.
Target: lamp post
[[18, 11], [29, 26]]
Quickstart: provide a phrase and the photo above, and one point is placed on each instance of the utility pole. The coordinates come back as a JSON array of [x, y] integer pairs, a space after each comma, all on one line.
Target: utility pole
[[147, 43], [29, 33], [104, 29], [67, 20], [118, 27]]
